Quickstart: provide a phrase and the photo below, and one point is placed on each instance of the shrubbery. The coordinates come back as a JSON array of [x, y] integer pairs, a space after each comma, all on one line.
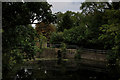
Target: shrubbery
[[56, 37], [63, 49], [78, 55]]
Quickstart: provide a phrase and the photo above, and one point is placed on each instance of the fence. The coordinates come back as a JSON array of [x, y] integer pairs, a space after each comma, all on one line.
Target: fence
[[59, 45], [95, 51], [82, 49]]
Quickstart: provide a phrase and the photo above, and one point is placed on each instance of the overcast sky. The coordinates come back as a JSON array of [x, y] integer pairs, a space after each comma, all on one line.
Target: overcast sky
[[65, 6]]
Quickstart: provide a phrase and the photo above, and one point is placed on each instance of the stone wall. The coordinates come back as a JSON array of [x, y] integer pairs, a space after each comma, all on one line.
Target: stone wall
[[49, 53], [94, 56], [70, 53], [52, 53]]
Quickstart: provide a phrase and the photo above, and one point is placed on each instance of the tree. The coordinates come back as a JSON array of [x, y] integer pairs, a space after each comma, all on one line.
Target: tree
[[67, 22], [18, 44], [77, 18], [96, 16], [18, 37], [64, 21], [45, 29], [75, 35], [111, 30], [91, 7], [94, 12], [58, 23], [25, 13], [56, 37]]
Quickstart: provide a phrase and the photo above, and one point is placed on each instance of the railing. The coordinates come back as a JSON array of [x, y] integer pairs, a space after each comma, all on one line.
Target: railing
[[95, 51], [82, 49], [59, 45]]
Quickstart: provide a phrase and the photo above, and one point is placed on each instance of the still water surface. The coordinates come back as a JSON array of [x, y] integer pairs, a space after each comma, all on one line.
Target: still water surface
[[65, 70]]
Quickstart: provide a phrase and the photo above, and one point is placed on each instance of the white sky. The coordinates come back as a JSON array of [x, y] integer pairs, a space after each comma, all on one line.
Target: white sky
[[65, 0], [64, 6]]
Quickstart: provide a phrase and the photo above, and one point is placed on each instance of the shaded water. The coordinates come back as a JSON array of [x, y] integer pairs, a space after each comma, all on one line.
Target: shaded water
[[66, 70]]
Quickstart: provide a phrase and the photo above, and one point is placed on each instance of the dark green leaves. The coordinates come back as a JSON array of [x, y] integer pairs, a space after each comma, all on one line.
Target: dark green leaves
[[26, 13]]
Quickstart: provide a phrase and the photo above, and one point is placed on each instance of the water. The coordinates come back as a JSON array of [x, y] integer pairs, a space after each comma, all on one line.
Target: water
[[67, 70]]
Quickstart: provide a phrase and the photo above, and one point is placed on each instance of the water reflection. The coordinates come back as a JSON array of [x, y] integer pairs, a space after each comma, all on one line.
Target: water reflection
[[50, 70], [45, 71], [60, 74], [23, 74]]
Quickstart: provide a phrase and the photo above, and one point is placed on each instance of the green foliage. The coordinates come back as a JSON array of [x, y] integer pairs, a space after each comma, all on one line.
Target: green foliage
[[97, 15], [75, 35], [63, 49], [91, 7], [111, 57], [85, 28], [89, 27], [26, 13], [111, 34], [68, 20], [56, 37], [19, 37], [78, 54], [113, 62], [18, 43], [42, 39], [111, 30]]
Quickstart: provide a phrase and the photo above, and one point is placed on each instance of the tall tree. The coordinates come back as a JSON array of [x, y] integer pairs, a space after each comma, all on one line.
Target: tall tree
[[64, 20], [99, 12], [95, 13], [18, 36], [25, 13], [45, 29]]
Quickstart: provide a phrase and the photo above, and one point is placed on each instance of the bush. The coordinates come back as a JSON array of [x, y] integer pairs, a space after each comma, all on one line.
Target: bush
[[75, 35], [63, 49], [111, 57], [78, 55], [56, 38]]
